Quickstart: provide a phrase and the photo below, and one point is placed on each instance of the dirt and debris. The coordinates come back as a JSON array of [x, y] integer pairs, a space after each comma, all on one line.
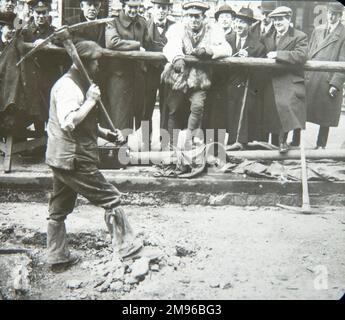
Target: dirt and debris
[[192, 252]]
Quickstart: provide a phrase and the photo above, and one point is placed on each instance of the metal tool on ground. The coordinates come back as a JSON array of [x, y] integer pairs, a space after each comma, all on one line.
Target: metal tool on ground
[[306, 208], [237, 145]]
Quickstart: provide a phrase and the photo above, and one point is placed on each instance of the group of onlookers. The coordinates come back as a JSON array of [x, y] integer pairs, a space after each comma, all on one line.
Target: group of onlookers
[[247, 103]]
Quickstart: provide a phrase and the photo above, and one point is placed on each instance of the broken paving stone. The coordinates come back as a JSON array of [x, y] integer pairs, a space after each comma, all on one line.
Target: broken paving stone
[[74, 284], [227, 285], [183, 251], [21, 280], [154, 267], [126, 288], [140, 268], [116, 286], [214, 285], [132, 280], [118, 274], [98, 282]]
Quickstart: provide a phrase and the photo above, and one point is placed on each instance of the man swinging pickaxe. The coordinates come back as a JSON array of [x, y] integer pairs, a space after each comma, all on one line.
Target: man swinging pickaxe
[[71, 153], [64, 35]]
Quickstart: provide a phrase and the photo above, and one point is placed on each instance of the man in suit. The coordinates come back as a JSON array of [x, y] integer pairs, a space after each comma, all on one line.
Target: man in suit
[[244, 44], [265, 26], [284, 93], [324, 89], [90, 10], [157, 27]]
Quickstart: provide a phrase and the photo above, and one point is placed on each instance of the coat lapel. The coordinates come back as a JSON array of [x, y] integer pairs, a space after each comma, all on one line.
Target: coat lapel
[[333, 37], [285, 40]]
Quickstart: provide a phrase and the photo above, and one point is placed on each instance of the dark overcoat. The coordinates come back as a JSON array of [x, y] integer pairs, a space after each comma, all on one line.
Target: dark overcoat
[[125, 90], [225, 98], [284, 96], [155, 43], [321, 108], [45, 67], [94, 33]]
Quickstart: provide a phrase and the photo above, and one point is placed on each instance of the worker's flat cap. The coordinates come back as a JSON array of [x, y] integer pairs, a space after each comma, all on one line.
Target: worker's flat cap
[[195, 6], [281, 12], [225, 8], [335, 7], [89, 50]]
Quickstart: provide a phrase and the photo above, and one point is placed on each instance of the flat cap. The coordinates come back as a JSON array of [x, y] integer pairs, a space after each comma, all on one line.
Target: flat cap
[[225, 8], [89, 50], [195, 5], [335, 7], [281, 12]]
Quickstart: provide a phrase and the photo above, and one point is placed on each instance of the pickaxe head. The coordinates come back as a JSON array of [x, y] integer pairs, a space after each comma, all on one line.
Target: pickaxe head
[[64, 33]]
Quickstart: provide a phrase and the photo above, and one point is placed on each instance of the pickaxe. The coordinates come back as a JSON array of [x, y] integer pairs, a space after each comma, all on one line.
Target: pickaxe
[[63, 34]]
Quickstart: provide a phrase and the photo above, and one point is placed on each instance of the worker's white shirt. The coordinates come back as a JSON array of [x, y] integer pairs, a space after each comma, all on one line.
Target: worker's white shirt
[[68, 98]]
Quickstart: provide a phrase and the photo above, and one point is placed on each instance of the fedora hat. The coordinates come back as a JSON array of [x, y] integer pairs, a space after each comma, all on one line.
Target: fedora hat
[[246, 14], [225, 8]]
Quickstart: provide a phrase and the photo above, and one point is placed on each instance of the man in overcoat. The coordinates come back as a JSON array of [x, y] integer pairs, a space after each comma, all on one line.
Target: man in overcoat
[[188, 85], [325, 89], [126, 78], [244, 44], [284, 94], [45, 68]]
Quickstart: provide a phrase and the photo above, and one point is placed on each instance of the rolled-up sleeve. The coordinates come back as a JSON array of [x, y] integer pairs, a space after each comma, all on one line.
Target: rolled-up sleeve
[[69, 98]]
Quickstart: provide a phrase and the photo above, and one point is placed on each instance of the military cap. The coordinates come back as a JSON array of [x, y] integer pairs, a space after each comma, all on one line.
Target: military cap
[[335, 7], [195, 6], [7, 18], [225, 8], [166, 2], [246, 14], [40, 5], [89, 50], [281, 12], [268, 6]]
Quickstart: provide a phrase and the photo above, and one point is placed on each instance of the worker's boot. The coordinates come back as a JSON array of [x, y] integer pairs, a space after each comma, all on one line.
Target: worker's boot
[[58, 253], [121, 232]]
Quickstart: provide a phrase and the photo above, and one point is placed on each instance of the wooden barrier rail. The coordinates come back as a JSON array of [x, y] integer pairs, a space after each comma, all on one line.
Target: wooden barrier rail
[[310, 65]]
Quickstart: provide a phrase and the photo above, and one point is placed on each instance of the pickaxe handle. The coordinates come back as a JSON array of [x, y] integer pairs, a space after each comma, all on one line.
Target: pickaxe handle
[[72, 51]]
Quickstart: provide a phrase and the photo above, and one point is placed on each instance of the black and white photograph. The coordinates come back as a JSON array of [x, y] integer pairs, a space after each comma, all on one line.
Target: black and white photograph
[[162, 150]]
